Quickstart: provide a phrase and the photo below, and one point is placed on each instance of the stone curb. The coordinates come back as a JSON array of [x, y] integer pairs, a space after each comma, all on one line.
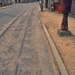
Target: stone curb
[[60, 64], [6, 7], [6, 26]]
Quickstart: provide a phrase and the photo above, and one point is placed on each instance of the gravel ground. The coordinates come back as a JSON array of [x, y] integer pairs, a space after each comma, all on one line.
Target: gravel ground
[[29, 60], [65, 45]]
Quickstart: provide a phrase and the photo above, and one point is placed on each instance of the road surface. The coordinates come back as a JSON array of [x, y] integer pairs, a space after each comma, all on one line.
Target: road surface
[[23, 46]]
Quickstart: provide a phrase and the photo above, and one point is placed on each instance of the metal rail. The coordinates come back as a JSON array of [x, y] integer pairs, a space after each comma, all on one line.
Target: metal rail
[[20, 51], [8, 25]]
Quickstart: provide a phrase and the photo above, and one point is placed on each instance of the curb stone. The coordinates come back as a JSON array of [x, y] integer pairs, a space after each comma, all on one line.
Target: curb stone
[[55, 52], [6, 7]]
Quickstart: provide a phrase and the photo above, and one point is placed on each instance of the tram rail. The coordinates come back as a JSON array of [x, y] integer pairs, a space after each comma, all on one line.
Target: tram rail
[[7, 26]]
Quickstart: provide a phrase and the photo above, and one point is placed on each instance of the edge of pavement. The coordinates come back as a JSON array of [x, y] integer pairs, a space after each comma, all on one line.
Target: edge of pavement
[[6, 26], [4, 7], [59, 62]]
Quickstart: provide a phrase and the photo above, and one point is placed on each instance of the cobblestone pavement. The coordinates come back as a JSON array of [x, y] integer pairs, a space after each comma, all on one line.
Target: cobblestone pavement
[[23, 47]]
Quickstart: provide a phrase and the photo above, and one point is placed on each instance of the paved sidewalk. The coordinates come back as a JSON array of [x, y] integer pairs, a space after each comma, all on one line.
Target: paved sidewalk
[[65, 45]]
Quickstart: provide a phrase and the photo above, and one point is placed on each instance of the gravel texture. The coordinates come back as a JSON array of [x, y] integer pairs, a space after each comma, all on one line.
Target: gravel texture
[[65, 45]]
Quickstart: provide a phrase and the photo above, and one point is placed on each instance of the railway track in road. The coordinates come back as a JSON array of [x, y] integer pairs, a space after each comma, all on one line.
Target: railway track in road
[[6, 26], [26, 50], [11, 42], [17, 64]]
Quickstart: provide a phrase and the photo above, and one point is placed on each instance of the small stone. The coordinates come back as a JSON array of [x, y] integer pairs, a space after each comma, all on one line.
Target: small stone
[[67, 44]]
